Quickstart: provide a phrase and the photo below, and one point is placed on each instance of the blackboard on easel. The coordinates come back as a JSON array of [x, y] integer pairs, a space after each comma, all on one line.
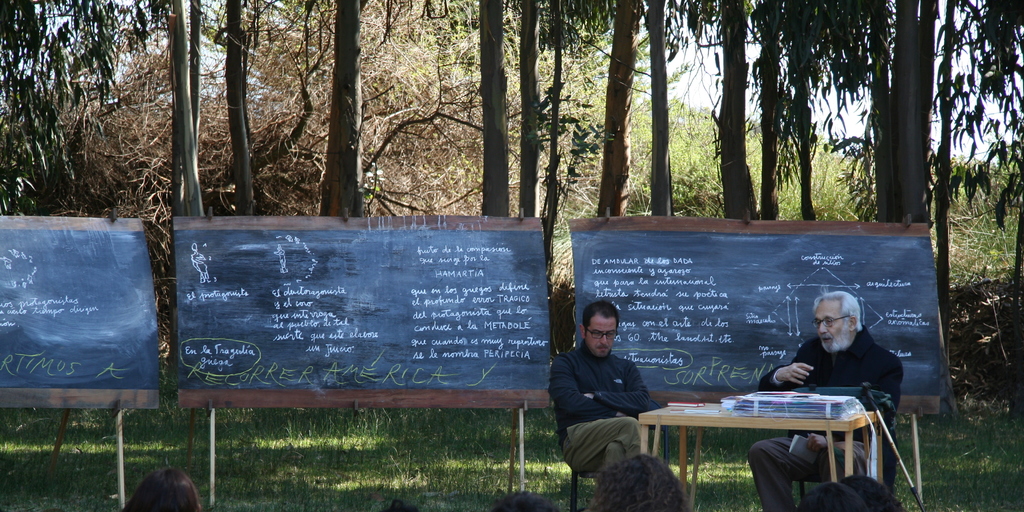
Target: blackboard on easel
[[710, 305], [435, 311], [77, 314]]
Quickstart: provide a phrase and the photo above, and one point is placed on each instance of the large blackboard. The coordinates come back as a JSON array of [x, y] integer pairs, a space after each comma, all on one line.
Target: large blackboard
[[709, 305], [77, 314], [374, 312]]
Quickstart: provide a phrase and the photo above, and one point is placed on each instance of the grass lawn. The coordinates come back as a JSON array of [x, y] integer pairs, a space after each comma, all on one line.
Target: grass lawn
[[437, 459]]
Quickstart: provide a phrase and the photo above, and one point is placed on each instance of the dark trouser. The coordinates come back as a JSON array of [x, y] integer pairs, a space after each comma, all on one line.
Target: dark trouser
[[775, 470]]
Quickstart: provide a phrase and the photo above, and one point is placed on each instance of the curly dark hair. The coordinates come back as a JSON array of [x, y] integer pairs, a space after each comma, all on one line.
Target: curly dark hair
[[641, 483], [832, 497], [524, 502], [165, 490], [875, 494]]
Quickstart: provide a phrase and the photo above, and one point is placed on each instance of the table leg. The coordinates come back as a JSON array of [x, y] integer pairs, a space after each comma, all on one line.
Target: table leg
[[657, 437], [831, 455], [682, 456], [643, 440], [848, 467], [696, 464]]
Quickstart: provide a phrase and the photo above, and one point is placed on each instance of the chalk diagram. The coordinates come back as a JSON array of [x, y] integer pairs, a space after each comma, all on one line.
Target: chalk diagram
[[17, 269], [299, 249], [199, 263], [792, 313]]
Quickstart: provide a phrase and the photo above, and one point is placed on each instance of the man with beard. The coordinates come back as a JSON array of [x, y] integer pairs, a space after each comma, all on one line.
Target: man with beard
[[597, 395], [844, 354]]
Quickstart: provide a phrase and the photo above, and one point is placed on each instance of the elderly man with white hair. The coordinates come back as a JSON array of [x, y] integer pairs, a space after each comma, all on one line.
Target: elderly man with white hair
[[842, 355]]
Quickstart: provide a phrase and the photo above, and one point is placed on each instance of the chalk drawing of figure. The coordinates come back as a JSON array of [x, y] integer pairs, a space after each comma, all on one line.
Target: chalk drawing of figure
[[199, 262], [281, 256]]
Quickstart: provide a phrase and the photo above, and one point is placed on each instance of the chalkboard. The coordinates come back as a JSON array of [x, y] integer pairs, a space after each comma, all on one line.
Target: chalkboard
[[77, 314], [710, 305], [368, 312]]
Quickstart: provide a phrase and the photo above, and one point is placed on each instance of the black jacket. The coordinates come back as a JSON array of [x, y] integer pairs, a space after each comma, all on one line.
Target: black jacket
[[864, 361], [615, 382]]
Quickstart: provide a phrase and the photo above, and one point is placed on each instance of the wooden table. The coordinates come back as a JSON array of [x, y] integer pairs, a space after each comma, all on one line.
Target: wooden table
[[712, 415]]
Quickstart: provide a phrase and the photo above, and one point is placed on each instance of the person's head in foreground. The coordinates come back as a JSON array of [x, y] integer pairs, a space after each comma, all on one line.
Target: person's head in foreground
[[524, 502], [638, 484], [399, 506], [165, 490], [875, 494], [832, 497]]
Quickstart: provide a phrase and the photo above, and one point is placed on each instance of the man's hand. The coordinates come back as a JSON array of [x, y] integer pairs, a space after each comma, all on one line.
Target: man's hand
[[795, 373], [589, 395], [816, 443]]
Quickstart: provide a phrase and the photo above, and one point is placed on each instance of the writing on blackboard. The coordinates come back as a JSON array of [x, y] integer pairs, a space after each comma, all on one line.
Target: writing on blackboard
[[381, 308], [18, 363]]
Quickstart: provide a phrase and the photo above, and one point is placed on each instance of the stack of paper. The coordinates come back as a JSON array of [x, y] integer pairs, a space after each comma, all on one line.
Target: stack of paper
[[796, 405]]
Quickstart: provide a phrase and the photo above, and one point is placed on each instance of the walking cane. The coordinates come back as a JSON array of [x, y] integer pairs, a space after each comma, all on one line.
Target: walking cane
[[866, 388]]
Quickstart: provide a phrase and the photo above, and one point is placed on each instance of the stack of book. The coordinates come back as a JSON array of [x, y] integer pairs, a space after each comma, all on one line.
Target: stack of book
[[786, 404]]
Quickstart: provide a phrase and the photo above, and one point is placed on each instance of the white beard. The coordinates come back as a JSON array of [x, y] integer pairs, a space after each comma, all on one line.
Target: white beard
[[838, 344]]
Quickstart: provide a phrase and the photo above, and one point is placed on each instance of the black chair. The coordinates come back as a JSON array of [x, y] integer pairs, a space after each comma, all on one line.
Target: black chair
[[810, 480]]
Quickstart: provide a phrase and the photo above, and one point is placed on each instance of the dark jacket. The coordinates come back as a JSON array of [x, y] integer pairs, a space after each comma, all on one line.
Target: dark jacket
[[615, 382], [864, 361]]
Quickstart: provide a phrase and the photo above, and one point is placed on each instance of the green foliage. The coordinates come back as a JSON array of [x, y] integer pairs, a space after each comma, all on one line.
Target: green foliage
[[53, 56]]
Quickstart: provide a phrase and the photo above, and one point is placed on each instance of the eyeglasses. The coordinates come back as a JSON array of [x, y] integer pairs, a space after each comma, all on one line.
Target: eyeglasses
[[608, 335], [828, 321]]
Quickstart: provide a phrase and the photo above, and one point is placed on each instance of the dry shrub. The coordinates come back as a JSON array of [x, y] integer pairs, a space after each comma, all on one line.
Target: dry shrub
[[981, 347]]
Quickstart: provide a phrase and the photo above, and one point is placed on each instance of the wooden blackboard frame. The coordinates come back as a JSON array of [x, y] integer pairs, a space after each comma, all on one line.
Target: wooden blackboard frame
[[361, 398], [85, 398], [919, 404]]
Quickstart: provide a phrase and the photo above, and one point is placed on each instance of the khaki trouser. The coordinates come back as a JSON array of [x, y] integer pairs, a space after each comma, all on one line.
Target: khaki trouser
[[593, 445]]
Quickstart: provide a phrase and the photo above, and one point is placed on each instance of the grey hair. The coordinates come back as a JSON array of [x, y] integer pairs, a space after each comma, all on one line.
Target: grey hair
[[848, 305]]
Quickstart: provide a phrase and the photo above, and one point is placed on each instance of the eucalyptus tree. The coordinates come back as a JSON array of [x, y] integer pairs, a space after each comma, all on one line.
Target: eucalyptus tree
[[341, 191], [238, 108], [910, 152], [732, 123], [615, 166], [690, 22], [996, 41], [493, 86], [765, 21], [661, 169], [54, 56], [529, 98]]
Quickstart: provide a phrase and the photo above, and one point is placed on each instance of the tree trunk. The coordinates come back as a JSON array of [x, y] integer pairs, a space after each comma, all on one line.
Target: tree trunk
[[618, 109], [661, 170], [187, 198], [553, 190], [769, 136], [493, 87], [195, 30], [926, 63], [529, 93], [736, 188], [885, 174], [238, 122], [340, 192], [910, 153], [948, 401], [802, 102]]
